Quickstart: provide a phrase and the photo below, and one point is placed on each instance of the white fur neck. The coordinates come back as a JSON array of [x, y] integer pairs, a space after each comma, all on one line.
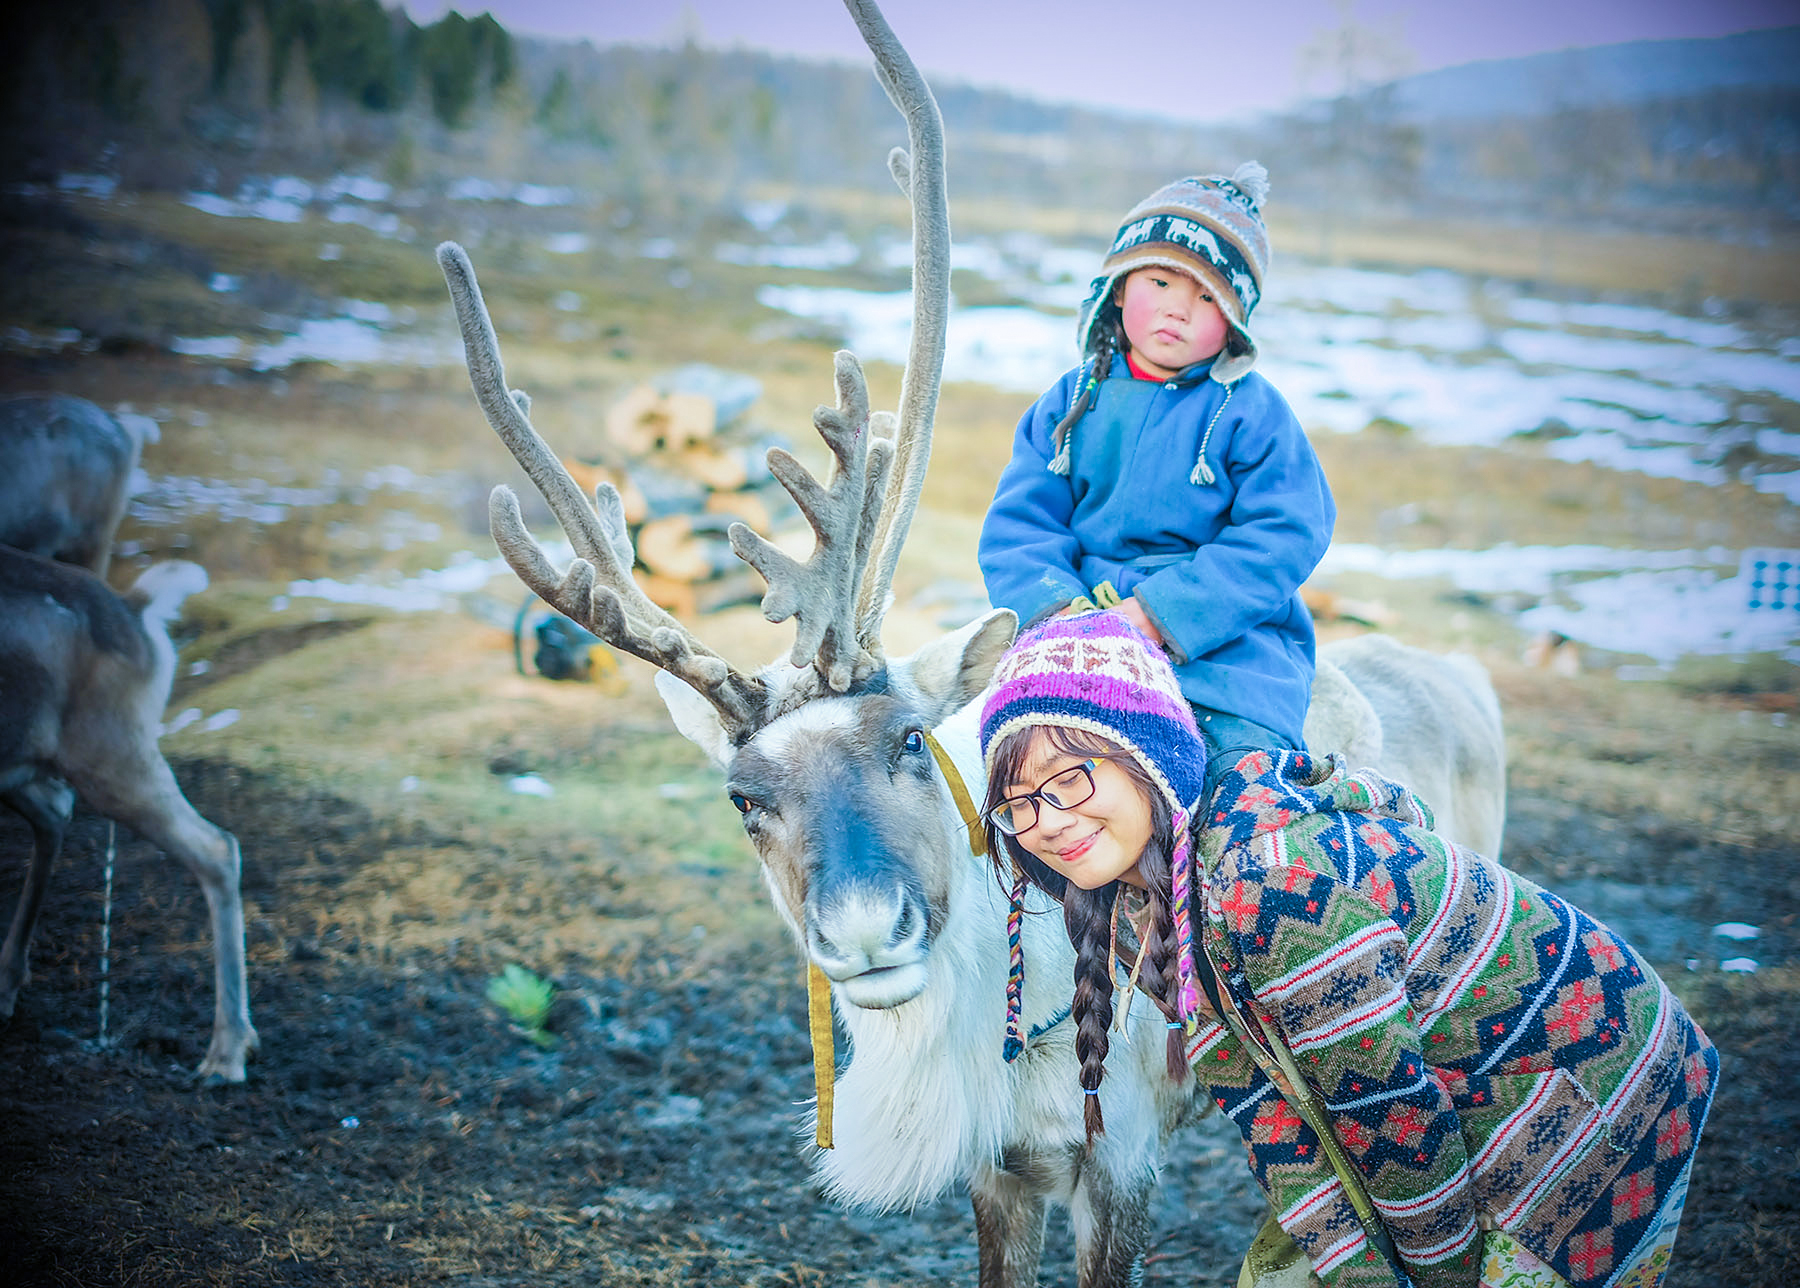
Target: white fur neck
[[927, 1098]]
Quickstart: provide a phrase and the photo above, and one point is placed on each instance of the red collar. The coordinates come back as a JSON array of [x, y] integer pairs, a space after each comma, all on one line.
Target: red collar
[[1137, 371]]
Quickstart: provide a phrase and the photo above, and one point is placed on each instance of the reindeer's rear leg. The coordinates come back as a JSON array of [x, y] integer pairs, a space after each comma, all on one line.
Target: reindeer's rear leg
[[1010, 1210], [1110, 1214], [135, 786], [45, 803]]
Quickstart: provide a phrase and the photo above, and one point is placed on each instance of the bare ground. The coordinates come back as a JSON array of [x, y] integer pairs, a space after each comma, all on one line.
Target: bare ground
[[396, 1131]]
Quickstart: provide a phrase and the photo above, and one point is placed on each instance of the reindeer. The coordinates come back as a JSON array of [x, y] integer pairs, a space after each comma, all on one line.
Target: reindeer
[[847, 767], [1428, 720], [84, 678], [65, 476]]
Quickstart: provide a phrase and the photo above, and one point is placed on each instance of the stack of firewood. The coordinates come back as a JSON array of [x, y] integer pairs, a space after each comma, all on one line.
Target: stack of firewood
[[688, 464]]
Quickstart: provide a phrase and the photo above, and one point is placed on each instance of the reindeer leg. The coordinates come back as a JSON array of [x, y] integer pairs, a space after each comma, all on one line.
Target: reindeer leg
[[1110, 1214], [1009, 1228], [135, 786], [46, 803]]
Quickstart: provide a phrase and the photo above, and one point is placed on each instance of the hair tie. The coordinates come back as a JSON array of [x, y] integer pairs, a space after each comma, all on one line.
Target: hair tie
[[1090, 1091]]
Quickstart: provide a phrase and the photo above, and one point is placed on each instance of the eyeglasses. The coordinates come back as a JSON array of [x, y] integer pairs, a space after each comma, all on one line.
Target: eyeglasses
[[1065, 790]]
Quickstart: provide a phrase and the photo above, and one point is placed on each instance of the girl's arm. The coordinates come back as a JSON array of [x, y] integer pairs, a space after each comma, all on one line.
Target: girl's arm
[[1278, 528], [1327, 965], [1028, 553]]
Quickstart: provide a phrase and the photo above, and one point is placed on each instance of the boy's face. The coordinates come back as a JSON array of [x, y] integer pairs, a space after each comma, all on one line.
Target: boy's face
[[1171, 320]]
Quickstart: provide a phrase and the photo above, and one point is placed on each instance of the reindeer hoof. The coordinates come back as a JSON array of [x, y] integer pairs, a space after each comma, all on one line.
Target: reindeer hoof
[[224, 1063], [219, 1073]]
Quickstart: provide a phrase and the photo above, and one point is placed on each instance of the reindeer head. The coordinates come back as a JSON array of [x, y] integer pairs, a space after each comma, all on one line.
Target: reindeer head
[[825, 754]]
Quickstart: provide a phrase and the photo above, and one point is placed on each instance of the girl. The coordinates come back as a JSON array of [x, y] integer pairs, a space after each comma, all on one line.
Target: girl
[[1443, 1074]]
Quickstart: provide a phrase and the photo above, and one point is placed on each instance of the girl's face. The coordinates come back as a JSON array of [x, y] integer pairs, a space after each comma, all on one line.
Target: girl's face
[[1171, 320], [1097, 841]]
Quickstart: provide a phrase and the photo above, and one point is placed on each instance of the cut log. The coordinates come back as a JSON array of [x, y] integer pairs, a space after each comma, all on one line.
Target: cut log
[[764, 507], [669, 593], [645, 421], [586, 476], [666, 491], [630, 422], [690, 598], [672, 547], [692, 418], [732, 392], [1328, 605], [724, 468], [745, 586]]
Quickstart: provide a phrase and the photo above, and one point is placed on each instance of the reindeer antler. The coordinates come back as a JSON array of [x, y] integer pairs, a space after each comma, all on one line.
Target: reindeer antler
[[921, 177], [821, 594], [597, 591], [838, 597]]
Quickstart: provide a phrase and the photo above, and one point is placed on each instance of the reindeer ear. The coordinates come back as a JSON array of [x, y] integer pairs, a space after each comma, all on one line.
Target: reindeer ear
[[955, 669], [696, 718]]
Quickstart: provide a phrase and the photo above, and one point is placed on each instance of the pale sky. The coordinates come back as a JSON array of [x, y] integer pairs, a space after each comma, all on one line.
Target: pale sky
[[1201, 61]]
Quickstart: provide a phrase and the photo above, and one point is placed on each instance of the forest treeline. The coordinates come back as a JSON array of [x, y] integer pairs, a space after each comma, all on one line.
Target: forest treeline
[[154, 63], [210, 84]]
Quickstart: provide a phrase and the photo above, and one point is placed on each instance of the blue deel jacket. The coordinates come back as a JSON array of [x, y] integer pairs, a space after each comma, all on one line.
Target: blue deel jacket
[[1216, 566]]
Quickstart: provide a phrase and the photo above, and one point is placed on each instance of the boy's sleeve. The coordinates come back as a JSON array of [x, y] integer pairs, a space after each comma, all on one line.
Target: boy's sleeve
[[1279, 527], [1027, 553], [1328, 966]]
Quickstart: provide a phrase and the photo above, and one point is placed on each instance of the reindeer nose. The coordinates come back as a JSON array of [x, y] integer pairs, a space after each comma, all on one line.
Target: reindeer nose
[[862, 929]]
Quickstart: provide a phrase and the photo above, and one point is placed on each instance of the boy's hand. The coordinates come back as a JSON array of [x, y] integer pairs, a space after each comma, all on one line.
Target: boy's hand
[[1133, 612], [1127, 608]]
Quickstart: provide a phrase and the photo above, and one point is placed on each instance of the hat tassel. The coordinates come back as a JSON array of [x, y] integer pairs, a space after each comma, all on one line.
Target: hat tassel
[[1202, 475], [1181, 870]]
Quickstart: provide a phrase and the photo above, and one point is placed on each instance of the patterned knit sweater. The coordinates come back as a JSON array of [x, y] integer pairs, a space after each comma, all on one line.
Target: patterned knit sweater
[[1488, 1054]]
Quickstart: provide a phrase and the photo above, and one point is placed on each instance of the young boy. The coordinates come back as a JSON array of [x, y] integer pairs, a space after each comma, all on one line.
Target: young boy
[[1164, 478]]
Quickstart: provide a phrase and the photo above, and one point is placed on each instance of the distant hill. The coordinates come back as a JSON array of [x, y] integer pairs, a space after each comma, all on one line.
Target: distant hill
[[1675, 135], [1607, 76]]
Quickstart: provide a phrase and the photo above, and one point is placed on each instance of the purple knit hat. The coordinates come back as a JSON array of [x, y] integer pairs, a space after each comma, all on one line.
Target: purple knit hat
[[1096, 671]]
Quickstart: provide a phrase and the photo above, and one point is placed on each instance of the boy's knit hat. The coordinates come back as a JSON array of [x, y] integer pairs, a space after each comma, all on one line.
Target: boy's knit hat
[[1096, 671], [1208, 226]]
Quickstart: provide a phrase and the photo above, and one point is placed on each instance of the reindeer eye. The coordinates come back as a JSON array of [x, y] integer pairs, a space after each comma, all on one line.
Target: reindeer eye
[[742, 803], [915, 742]]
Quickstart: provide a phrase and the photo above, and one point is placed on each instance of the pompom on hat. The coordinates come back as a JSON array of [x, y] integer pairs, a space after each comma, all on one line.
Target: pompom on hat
[[1208, 226], [1097, 672]]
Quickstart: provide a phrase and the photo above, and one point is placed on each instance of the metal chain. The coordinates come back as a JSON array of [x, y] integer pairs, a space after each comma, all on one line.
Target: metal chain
[[106, 930]]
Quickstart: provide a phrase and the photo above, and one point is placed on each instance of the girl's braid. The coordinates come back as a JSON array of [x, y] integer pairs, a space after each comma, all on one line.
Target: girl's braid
[[1088, 916], [1159, 974]]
